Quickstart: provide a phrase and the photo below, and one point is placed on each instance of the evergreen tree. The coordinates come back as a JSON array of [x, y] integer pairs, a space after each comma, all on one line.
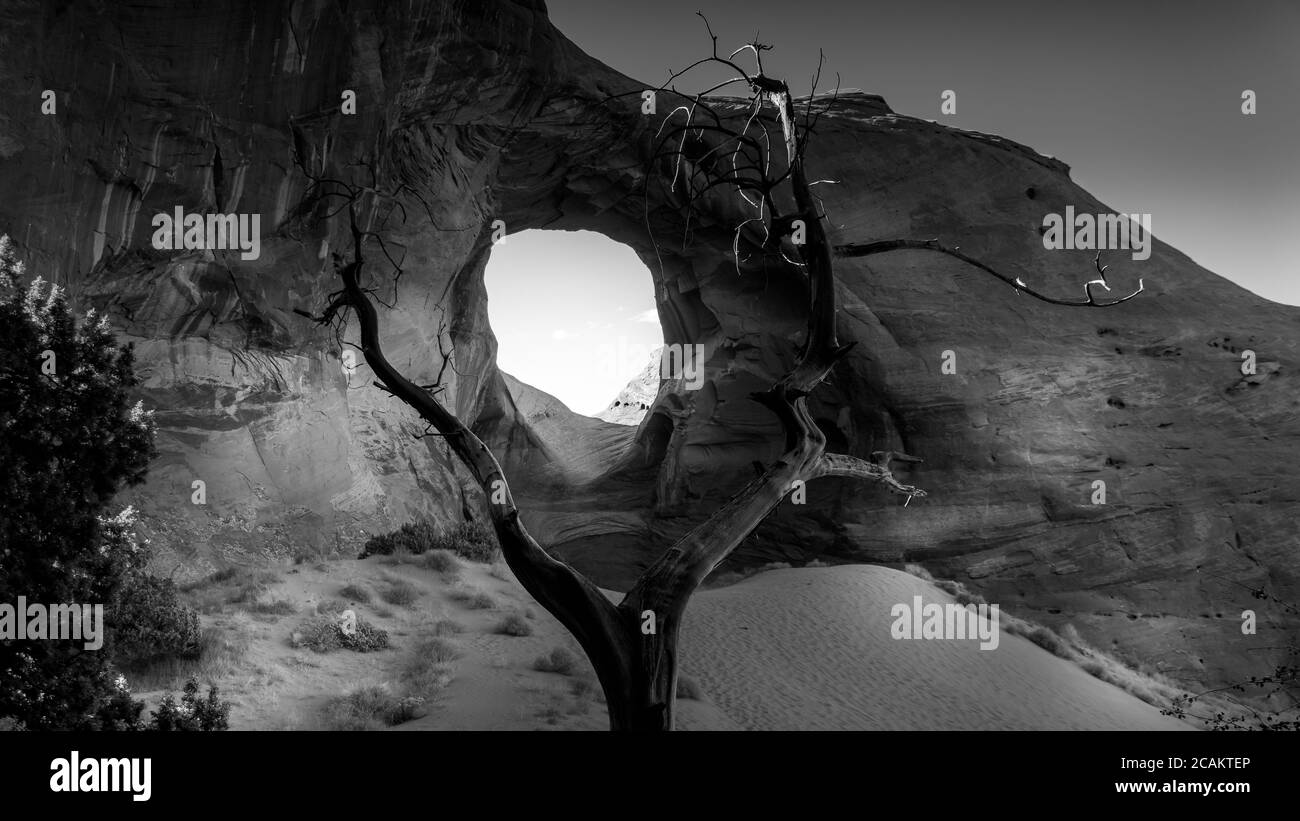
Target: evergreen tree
[[70, 439]]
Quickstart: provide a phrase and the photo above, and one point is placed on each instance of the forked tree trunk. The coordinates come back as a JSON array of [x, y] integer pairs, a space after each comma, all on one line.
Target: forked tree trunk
[[633, 645]]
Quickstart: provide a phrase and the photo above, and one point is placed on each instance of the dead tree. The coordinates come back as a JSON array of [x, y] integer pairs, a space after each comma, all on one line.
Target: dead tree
[[762, 160]]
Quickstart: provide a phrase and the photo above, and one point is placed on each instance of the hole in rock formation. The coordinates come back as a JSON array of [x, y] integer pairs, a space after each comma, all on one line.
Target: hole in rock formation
[[574, 316]]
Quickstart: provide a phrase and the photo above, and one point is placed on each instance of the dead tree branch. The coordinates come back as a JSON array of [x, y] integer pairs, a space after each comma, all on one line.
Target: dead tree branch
[[755, 150]]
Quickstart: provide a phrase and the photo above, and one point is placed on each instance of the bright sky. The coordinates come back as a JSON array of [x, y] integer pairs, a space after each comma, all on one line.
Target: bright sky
[[573, 313], [1141, 99]]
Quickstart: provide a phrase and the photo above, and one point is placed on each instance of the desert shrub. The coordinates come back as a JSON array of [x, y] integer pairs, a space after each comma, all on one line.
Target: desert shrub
[[1093, 668], [586, 688], [364, 709], [217, 577], [233, 585], [371, 708], [319, 634], [428, 668], [918, 571], [400, 592], [447, 627], [1070, 633], [221, 652], [515, 625], [558, 660], [367, 638], [330, 607], [578, 707], [480, 601], [474, 541], [70, 439], [193, 713], [959, 592], [407, 709], [440, 561], [1042, 636], [149, 621], [355, 592], [279, 607], [438, 649], [472, 597], [688, 687], [324, 634], [412, 537]]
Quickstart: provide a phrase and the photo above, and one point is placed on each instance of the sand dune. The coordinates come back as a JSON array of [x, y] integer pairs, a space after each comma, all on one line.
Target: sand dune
[[810, 649], [800, 649]]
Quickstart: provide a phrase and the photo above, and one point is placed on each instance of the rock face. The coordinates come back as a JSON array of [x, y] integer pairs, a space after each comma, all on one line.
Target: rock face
[[629, 407], [480, 110]]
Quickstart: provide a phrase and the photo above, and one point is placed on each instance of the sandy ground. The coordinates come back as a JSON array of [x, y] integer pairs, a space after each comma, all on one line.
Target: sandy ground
[[810, 649], [789, 649]]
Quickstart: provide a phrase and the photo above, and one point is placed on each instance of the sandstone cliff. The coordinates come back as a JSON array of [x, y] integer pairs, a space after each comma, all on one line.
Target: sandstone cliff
[[484, 111]]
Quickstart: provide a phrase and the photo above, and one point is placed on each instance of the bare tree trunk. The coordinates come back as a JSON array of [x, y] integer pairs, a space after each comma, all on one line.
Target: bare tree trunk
[[633, 645], [637, 671], [643, 700]]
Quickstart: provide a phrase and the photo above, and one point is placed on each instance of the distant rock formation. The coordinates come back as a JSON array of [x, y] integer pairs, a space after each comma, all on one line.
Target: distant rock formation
[[486, 112], [631, 404]]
